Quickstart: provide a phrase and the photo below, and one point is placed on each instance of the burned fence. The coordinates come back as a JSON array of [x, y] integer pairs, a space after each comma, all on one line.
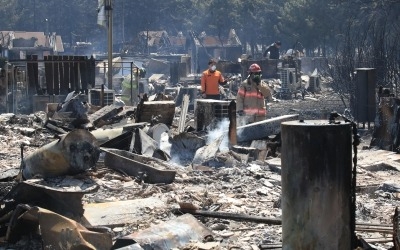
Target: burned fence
[[68, 73], [64, 74], [47, 80]]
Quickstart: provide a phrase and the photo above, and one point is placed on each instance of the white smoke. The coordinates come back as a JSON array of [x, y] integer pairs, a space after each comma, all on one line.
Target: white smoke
[[221, 129], [176, 161], [164, 143], [241, 121]]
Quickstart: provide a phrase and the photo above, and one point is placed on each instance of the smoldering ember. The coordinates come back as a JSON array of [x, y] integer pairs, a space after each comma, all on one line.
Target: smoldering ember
[[199, 140]]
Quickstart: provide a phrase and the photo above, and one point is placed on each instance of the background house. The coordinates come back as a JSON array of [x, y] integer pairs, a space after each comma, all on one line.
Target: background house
[[19, 44], [202, 47]]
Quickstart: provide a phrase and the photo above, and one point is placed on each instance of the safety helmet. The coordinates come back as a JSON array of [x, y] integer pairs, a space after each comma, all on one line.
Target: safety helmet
[[254, 68]]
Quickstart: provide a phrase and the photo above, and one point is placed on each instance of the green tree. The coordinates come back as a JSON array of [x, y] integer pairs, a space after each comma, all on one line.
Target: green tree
[[310, 22]]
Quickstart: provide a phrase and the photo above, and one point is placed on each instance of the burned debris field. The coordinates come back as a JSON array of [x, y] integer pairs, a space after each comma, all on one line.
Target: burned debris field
[[192, 185], [199, 125]]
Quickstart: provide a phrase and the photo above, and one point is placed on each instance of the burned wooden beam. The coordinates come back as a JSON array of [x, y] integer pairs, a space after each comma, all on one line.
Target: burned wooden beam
[[100, 117], [270, 246], [232, 124], [187, 208], [250, 151], [182, 118], [192, 209]]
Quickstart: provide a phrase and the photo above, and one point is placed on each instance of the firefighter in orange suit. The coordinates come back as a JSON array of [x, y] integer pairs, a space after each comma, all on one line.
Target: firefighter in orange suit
[[210, 81], [250, 99]]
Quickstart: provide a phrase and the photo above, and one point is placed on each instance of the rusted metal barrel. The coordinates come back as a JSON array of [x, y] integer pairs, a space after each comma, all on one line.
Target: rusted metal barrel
[[73, 153], [316, 185]]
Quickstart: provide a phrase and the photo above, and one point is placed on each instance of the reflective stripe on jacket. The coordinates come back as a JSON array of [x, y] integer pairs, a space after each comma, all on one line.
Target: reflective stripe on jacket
[[251, 98]]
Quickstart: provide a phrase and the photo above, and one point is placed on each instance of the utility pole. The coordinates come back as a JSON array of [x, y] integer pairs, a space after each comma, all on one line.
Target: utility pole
[[147, 41], [109, 9], [47, 27], [34, 15], [123, 22]]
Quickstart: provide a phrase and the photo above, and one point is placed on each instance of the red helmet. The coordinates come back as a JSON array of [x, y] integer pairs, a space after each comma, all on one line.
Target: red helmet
[[254, 68]]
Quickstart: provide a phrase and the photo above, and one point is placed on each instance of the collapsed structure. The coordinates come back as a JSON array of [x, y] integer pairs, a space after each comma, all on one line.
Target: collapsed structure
[[152, 136]]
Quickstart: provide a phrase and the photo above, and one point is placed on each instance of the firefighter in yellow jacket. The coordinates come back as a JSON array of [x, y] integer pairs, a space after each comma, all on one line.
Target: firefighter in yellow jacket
[[250, 99]]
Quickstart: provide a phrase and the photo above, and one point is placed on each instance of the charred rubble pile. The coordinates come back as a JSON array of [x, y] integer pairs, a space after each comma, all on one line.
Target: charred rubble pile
[[163, 175]]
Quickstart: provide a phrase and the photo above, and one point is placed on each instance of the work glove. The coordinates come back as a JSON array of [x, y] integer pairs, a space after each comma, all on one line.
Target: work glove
[[240, 113]]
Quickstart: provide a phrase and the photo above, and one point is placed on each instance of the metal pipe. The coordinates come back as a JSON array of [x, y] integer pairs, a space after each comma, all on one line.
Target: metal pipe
[[137, 79], [73, 153], [316, 185]]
